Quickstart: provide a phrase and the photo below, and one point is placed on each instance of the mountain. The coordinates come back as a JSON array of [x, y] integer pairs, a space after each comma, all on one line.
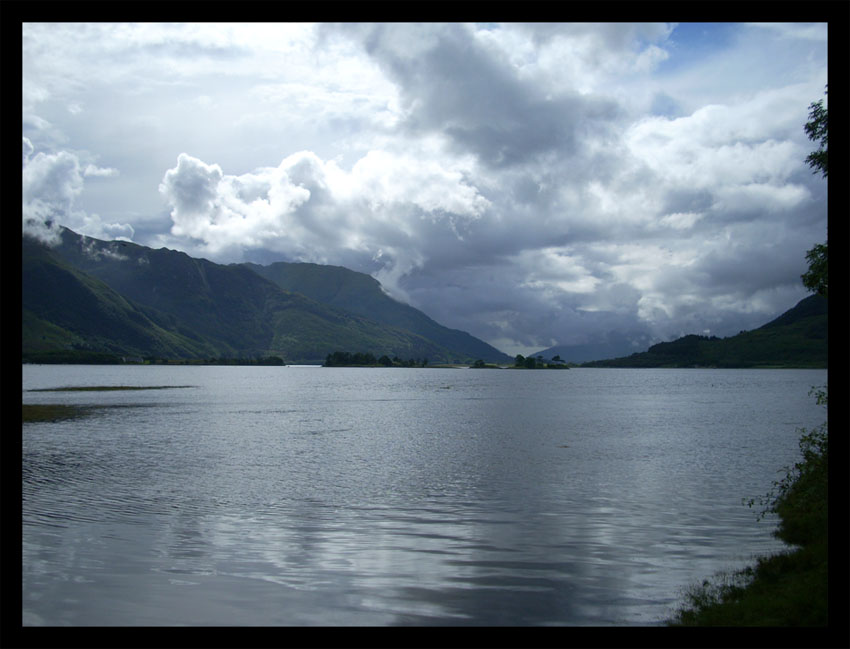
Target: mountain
[[65, 309], [797, 338], [614, 345], [120, 297], [363, 295]]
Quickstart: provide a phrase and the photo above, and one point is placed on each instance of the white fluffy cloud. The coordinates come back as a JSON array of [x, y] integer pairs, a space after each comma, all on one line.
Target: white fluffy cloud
[[310, 209], [51, 183]]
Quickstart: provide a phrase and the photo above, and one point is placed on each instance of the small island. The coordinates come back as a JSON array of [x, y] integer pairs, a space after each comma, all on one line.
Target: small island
[[539, 363]]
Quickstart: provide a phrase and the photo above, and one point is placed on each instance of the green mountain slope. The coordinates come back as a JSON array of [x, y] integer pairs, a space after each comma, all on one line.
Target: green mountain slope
[[361, 294], [212, 309], [64, 310], [797, 338]]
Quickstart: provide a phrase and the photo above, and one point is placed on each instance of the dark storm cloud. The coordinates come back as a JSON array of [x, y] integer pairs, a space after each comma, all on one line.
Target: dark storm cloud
[[451, 85]]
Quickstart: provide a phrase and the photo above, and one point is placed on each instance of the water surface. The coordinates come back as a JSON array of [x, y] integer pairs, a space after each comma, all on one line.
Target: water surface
[[353, 496]]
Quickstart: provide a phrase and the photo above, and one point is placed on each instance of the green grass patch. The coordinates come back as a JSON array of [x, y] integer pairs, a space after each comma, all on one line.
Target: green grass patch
[[788, 590], [51, 412], [109, 388]]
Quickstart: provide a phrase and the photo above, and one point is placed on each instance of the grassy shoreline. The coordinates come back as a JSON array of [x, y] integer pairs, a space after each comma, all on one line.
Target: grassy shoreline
[[786, 589], [108, 388], [51, 412]]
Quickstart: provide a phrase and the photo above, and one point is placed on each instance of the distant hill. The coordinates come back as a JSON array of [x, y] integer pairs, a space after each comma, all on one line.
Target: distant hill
[[614, 345], [797, 338], [362, 294], [119, 297]]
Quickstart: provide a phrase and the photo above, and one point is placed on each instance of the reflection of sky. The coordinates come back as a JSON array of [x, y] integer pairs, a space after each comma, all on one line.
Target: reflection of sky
[[443, 501]]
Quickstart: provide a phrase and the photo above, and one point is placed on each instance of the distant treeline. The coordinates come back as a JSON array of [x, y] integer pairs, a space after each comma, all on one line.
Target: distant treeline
[[72, 357], [84, 357], [532, 363], [266, 360], [348, 359]]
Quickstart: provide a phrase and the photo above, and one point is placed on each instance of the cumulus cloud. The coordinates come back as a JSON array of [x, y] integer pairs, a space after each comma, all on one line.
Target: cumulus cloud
[[53, 179], [309, 209], [51, 183]]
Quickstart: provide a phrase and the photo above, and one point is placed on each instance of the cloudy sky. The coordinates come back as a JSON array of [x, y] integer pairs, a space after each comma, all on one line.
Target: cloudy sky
[[533, 184]]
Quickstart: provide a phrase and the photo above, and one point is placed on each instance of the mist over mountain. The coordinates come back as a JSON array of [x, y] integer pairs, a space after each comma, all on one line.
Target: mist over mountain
[[613, 345], [797, 338], [121, 297]]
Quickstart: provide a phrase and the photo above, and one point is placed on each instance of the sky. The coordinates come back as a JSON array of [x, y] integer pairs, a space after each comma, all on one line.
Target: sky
[[532, 184]]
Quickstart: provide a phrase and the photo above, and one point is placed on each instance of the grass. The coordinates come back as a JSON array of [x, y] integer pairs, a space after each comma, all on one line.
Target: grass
[[50, 412], [787, 589], [60, 412], [107, 388]]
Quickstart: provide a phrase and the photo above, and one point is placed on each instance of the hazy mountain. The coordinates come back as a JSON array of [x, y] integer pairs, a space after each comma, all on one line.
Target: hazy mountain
[[188, 308], [614, 345], [797, 338], [362, 294]]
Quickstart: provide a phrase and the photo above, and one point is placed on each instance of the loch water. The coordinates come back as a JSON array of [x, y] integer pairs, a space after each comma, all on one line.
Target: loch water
[[393, 496]]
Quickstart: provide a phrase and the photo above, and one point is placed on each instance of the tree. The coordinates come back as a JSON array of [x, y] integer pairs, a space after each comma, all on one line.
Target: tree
[[519, 361], [816, 279], [817, 128]]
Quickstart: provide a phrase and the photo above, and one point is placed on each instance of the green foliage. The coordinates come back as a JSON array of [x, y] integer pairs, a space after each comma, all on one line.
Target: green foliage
[[366, 359], [538, 363], [816, 278], [801, 497], [817, 128], [71, 357], [264, 360], [786, 589], [341, 359]]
